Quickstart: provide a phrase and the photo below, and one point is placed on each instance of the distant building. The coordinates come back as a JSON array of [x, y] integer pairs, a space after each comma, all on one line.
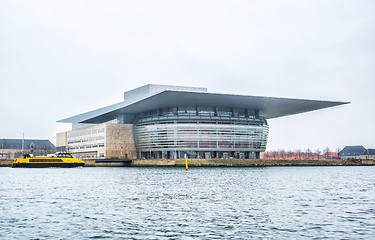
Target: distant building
[[167, 122], [370, 154], [299, 155], [106, 140], [330, 155], [357, 152], [12, 148]]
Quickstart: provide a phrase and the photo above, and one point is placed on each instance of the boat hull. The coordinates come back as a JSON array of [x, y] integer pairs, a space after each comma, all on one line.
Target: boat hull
[[47, 165]]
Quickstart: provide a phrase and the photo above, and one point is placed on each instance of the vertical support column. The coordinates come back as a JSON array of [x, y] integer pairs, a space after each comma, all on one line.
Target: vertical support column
[[198, 140], [175, 134], [256, 113], [217, 137]]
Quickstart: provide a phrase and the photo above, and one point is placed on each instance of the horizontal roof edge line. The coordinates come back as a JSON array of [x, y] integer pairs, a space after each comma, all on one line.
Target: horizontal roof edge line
[[272, 107]]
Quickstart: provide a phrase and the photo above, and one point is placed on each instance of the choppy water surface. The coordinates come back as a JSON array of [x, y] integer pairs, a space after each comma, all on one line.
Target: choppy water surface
[[203, 203]]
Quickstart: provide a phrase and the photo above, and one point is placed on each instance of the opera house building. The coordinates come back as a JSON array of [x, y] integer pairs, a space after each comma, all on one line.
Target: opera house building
[[167, 122]]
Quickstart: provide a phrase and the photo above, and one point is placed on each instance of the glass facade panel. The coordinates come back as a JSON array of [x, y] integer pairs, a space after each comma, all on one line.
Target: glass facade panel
[[186, 133]]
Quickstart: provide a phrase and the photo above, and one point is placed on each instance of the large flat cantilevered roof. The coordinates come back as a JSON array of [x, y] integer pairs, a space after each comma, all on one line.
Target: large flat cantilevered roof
[[269, 107]]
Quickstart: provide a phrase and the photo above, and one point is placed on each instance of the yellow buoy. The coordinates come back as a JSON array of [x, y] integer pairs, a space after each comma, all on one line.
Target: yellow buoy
[[187, 167]]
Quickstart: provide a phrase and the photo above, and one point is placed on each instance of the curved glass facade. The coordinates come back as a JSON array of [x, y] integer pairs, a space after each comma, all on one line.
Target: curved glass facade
[[200, 132], [177, 121]]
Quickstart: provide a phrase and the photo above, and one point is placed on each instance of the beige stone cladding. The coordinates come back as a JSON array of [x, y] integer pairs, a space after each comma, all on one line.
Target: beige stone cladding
[[85, 143], [102, 141], [9, 153], [120, 141], [61, 140], [367, 157], [17, 153]]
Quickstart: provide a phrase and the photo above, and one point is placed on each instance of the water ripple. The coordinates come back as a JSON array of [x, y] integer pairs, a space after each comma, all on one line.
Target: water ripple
[[204, 203]]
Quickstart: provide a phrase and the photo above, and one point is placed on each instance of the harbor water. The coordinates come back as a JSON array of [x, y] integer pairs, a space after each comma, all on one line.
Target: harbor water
[[202, 203]]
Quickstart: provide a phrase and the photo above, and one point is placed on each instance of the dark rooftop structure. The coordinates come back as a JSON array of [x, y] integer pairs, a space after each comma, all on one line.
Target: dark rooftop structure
[[28, 144], [370, 152], [352, 151]]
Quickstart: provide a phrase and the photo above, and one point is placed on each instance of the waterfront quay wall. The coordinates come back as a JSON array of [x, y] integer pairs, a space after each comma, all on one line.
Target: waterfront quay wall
[[217, 163], [247, 162], [6, 163]]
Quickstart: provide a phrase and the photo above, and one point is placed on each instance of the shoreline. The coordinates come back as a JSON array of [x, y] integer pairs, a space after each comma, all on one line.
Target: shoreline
[[247, 163], [217, 163]]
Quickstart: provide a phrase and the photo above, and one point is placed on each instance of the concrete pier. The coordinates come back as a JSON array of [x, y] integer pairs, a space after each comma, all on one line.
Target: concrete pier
[[216, 163], [6, 163], [248, 163]]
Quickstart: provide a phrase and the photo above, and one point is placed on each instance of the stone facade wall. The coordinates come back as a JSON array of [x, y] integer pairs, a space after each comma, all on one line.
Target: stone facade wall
[[102, 141], [120, 141], [367, 157], [61, 139], [359, 157], [84, 143], [9, 153]]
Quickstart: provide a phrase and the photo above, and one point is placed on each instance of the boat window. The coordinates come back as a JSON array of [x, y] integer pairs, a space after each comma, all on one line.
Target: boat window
[[67, 155], [46, 160]]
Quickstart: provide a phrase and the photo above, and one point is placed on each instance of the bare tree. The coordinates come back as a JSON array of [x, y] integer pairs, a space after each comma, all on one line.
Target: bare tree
[[338, 150], [318, 152], [299, 151], [275, 154], [326, 152], [308, 151], [290, 154], [282, 153]]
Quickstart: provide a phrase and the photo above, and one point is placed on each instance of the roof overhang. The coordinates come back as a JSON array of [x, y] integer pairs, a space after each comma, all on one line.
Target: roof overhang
[[269, 107]]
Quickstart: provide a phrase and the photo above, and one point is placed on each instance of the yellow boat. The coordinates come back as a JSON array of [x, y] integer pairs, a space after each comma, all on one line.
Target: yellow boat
[[57, 160]]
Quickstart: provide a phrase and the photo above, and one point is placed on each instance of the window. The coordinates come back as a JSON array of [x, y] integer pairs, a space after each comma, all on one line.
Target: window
[[42, 160]]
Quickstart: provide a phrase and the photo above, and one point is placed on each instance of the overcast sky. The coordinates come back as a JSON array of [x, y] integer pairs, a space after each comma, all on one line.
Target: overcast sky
[[62, 58]]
